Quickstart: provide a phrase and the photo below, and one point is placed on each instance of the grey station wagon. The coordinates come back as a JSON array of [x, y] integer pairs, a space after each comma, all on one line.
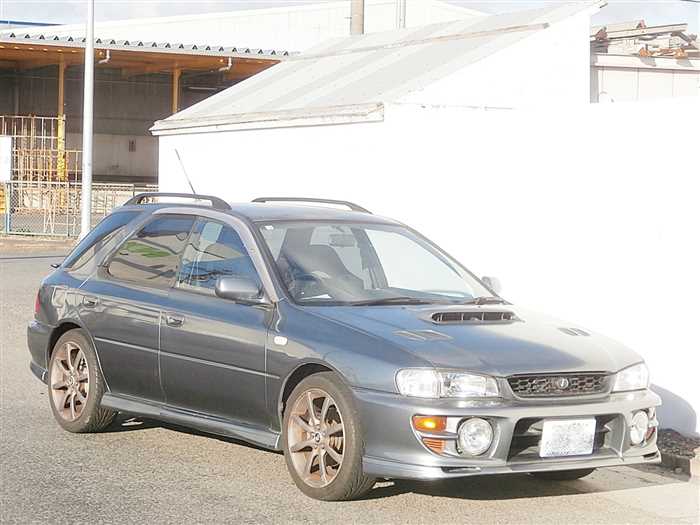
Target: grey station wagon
[[346, 340]]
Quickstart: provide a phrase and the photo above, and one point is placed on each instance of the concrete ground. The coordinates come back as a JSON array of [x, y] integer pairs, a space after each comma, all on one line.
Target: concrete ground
[[151, 473]]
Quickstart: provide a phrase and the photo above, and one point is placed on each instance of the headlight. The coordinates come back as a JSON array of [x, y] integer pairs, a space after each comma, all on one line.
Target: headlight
[[635, 377], [419, 382]]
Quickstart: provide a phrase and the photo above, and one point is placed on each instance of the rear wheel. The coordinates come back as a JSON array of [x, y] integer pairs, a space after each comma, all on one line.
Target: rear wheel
[[563, 475], [322, 440], [76, 385]]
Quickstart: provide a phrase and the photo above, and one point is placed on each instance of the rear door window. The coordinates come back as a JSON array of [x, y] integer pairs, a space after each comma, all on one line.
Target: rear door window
[[151, 256]]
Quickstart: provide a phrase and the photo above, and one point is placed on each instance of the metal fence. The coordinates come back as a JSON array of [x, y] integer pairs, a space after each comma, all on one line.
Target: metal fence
[[53, 208]]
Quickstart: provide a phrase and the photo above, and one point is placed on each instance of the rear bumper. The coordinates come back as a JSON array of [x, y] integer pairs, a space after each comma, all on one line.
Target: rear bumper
[[38, 335], [394, 450]]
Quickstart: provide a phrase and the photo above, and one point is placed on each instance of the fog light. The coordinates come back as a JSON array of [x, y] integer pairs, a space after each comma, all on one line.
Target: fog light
[[475, 436], [639, 427]]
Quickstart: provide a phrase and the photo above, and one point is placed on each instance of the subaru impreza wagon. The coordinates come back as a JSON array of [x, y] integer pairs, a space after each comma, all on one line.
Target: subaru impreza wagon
[[348, 341]]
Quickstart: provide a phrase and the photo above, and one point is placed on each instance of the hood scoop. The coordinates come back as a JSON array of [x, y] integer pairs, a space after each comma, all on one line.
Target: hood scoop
[[473, 316]]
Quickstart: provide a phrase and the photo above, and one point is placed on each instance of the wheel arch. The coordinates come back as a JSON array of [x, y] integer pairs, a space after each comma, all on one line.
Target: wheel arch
[[61, 328], [56, 333], [296, 376]]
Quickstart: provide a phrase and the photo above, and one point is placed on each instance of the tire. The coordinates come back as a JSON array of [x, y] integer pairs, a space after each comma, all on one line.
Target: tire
[[563, 475], [76, 385], [344, 480]]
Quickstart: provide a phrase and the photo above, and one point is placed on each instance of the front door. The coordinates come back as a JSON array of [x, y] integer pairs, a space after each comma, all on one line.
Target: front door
[[213, 349]]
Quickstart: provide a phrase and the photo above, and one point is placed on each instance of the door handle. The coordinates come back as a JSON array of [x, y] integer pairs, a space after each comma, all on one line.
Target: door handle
[[90, 301], [174, 320]]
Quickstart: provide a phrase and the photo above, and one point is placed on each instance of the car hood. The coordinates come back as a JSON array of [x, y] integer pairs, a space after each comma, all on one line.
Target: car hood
[[531, 343]]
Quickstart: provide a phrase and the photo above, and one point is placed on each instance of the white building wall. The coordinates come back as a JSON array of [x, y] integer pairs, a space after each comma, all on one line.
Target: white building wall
[[575, 217], [293, 28], [628, 78], [545, 68]]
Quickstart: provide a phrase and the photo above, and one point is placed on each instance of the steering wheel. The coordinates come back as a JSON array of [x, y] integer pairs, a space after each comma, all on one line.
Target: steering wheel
[[304, 285]]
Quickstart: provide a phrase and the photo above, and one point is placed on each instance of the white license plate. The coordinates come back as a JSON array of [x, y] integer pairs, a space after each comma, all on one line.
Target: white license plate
[[567, 437]]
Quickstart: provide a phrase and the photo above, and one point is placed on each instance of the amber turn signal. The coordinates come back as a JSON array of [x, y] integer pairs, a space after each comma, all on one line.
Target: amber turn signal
[[429, 423], [436, 445]]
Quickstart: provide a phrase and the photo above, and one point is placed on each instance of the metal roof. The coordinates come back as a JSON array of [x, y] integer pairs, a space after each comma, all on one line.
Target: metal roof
[[363, 71], [42, 39]]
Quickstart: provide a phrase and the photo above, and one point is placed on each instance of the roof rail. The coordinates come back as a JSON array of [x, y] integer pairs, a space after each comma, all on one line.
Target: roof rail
[[216, 202], [350, 205]]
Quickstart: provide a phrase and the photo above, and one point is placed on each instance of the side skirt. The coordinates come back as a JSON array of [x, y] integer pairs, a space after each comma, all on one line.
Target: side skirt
[[258, 436]]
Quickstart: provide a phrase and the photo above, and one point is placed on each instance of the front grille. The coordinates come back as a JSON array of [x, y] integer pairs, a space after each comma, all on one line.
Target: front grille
[[525, 443], [559, 385]]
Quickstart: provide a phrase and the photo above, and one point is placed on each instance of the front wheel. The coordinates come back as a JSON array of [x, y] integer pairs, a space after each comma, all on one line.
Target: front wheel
[[563, 475], [76, 385], [322, 440]]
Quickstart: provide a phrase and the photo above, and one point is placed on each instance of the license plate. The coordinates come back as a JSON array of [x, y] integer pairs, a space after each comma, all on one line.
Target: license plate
[[567, 437]]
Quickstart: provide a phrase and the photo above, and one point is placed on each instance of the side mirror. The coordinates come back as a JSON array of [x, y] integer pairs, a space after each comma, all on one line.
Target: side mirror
[[238, 290], [493, 283]]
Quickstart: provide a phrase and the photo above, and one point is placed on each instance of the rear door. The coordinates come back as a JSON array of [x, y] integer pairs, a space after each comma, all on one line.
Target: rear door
[[213, 349], [121, 306]]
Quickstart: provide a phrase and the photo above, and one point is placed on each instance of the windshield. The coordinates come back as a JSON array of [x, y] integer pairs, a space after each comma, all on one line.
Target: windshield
[[347, 263]]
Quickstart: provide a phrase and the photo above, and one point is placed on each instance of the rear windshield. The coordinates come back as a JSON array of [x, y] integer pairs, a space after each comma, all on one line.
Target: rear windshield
[[98, 237]]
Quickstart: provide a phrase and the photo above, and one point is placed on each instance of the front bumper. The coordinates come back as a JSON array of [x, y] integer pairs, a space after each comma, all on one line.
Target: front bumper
[[393, 449]]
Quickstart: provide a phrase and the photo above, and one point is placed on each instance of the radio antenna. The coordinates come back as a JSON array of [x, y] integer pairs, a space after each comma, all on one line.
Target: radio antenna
[[184, 171]]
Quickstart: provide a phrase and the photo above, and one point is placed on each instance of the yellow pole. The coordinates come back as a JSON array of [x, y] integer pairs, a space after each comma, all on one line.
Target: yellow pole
[[61, 173], [176, 89]]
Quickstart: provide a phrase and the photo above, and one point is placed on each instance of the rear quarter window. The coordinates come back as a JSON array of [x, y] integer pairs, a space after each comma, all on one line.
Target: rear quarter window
[[98, 237], [151, 256]]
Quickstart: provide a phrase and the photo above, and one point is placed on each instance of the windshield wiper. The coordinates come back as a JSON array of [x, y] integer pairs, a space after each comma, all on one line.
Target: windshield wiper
[[486, 300], [391, 300]]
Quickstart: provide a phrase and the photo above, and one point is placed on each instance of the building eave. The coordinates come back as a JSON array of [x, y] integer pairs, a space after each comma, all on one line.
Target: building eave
[[323, 116], [638, 62]]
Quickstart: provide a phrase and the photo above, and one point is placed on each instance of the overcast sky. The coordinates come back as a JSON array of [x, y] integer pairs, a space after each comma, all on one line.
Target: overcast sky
[[72, 11]]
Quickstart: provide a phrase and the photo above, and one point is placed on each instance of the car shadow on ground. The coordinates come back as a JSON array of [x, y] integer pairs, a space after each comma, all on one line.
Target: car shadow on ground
[[128, 423], [517, 486]]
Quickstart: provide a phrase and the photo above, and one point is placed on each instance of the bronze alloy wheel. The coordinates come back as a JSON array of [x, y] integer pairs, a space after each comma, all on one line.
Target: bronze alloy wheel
[[316, 437], [69, 381]]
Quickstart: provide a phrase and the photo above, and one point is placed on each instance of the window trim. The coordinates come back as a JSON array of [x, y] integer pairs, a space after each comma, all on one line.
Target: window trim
[[245, 230], [151, 218]]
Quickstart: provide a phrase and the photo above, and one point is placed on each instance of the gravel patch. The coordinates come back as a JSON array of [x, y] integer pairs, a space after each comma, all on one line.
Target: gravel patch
[[672, 442]]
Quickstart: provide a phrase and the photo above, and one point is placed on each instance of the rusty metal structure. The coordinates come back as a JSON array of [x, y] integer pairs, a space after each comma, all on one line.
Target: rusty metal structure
[[39, 151], [636, 38]]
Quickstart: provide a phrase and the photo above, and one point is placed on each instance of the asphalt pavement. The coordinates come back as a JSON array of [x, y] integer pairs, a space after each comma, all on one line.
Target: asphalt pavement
[[147, 472]]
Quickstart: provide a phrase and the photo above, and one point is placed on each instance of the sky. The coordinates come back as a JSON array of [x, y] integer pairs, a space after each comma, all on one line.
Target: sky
[[73, 11]]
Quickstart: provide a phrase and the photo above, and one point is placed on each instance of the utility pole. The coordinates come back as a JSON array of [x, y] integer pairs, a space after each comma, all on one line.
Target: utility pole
[[357, 17], [88, 94], [400, 14]]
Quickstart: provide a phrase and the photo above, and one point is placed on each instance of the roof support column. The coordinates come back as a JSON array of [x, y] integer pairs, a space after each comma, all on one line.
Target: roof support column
[[61, 172], [400, 14], [61, 85], [176, 90], [15, 105], [357, 17]]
